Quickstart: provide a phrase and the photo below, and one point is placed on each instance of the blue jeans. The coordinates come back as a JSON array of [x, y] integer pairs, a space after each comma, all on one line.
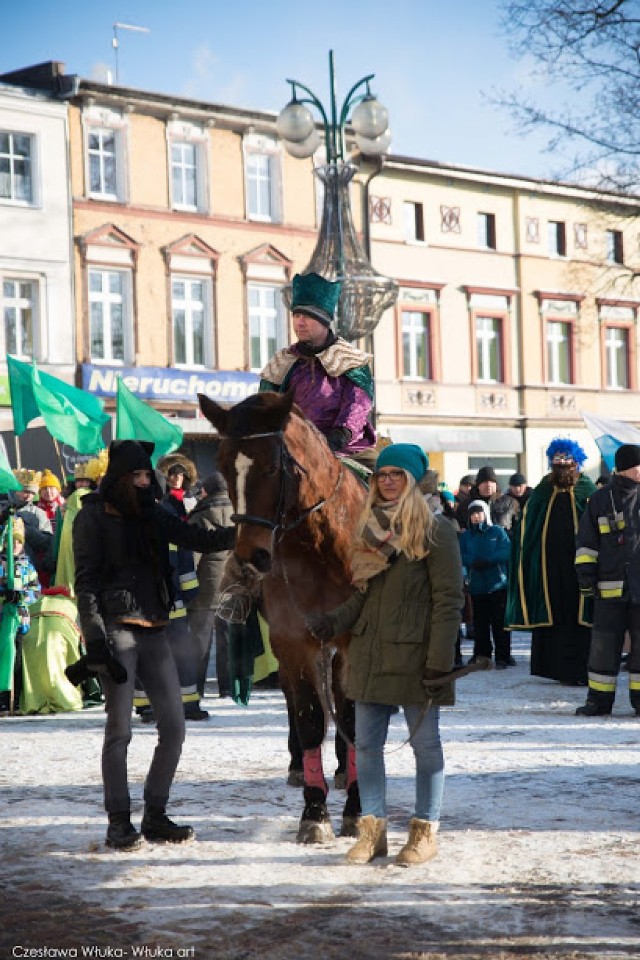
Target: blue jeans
[[372, 725]]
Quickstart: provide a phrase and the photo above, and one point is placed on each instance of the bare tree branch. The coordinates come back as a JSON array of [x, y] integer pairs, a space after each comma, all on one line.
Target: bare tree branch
[[593, 50]]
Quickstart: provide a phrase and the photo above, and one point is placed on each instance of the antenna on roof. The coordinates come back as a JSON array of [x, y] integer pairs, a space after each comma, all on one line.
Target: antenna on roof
[[115, 43]]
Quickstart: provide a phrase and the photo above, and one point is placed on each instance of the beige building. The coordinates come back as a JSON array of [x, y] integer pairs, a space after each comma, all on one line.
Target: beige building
[[517, 310], [517, 306]]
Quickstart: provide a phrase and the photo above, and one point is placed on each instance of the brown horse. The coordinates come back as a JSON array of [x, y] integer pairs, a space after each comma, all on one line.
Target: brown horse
[[296, 508]]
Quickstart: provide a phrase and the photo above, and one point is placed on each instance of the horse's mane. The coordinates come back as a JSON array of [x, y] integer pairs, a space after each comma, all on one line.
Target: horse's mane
[[332, 528]]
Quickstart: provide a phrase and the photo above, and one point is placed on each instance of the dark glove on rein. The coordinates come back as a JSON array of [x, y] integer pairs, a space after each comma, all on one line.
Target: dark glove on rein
[[429, 675], [338, 438]]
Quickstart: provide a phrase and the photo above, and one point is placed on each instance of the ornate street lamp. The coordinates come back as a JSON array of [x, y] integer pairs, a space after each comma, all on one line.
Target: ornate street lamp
[[339, 255]]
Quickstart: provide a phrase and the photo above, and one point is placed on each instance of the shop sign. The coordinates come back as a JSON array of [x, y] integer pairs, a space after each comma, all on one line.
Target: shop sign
[[174, 386]]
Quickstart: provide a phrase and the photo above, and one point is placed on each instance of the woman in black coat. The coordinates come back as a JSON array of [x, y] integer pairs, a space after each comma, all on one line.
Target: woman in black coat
[[124, 591]]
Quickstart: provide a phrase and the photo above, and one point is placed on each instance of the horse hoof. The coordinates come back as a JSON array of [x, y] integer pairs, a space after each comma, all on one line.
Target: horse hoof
[[311, 831], [340, 780], [349, 827], [295, 778]]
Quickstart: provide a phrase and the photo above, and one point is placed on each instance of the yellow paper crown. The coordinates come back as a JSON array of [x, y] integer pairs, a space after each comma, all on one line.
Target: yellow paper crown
[[29, 479], [80, 470], [96, 468], [49, 479]]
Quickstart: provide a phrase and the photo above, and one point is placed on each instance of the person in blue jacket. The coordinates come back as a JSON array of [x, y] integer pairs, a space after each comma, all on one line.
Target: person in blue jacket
[[485, 550]]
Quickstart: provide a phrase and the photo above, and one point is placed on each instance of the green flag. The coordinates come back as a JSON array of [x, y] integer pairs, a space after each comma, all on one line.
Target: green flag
[[23, 403], [7, 479], [136, 420], [71, 415]]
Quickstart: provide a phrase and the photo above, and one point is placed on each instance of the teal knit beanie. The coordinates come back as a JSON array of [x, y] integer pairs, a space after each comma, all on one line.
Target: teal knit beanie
[[407, 456]]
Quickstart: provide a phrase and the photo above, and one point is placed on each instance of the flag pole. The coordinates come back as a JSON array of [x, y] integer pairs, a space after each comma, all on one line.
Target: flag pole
[[18, 452], [60, 461]]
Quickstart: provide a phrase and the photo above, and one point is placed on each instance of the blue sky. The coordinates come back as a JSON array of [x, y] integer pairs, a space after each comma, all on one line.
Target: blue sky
[[432, 61]]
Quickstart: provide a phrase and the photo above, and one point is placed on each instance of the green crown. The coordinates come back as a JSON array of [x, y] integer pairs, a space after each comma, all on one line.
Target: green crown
[[316, 296]]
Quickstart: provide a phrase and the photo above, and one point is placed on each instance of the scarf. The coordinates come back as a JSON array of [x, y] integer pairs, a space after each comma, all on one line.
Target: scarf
[[377, 547]]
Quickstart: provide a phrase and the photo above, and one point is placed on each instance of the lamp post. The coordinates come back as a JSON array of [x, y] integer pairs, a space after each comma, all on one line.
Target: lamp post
[[338, 254]]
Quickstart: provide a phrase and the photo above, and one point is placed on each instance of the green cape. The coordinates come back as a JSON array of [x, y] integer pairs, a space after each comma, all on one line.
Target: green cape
[[528, 598]]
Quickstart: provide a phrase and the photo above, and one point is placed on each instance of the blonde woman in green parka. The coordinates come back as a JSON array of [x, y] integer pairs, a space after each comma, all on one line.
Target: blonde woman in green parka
[[404, 621]]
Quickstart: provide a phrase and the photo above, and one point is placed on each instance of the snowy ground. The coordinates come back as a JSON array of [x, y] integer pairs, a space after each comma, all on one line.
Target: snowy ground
[[538, 845]]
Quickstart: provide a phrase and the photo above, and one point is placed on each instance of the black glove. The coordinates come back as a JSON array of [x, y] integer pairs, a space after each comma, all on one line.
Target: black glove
[[225, 539], [338, 438], [429, 676], [98, 655], [480, 563], [319, 625], [78, 672]]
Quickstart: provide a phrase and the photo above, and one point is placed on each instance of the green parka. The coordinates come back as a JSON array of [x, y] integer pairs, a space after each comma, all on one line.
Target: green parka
[[406, 621]]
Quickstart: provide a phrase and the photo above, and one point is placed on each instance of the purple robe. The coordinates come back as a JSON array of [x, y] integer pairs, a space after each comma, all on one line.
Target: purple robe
[[332, 402]]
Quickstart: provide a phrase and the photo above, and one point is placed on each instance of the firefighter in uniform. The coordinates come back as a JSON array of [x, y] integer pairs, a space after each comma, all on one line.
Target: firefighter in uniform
[[608, 567]]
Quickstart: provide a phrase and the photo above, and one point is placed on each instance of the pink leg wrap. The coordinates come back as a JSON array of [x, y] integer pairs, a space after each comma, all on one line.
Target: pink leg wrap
[[313, 772], [352, 773]]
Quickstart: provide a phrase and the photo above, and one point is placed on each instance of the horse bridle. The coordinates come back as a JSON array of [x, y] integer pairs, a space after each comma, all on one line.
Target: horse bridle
[[277, 526]]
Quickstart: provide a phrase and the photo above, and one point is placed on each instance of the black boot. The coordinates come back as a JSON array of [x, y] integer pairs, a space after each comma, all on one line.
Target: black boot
[[593, 709], [121, 834], [157, 826]]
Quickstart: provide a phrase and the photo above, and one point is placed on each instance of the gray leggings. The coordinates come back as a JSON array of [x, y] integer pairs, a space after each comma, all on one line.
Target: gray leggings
[[144, 652]]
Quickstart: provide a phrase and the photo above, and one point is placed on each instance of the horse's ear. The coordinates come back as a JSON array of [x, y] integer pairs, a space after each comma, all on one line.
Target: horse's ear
[[286, 402], [215, 414]]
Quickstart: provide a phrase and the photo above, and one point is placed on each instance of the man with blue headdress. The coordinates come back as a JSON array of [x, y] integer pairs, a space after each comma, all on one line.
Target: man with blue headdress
[[544, 595], [330, 378]]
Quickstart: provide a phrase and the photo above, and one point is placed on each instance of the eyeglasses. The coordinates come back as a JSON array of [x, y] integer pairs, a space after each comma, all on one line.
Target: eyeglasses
[[392, 475]]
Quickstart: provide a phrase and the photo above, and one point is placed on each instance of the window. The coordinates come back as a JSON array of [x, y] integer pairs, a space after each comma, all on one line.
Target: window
[[559, 352], [413, 221], [557, 238], [487, 231], [183, 175], [416, 347], [102, 163], [109, 314], [16, 173], [615, 253], [489, 349], [105, 141], [616, 345], [267, 329], [188, 144], [18, 308], [262, 176], [191, 311]]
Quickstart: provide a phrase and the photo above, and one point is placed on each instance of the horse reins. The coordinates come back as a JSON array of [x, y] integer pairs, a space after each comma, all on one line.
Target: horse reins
[[287, 460]]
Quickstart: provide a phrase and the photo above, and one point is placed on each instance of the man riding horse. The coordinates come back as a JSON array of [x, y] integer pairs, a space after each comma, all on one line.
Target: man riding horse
[[329, 377], [331, 383]]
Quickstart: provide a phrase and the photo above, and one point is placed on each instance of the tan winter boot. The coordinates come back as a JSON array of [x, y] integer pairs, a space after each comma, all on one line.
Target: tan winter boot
[[421, 845], [372, 840]]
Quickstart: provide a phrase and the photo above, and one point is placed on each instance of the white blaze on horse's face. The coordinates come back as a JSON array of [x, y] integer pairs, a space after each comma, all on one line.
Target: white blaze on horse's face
[[242, 465]]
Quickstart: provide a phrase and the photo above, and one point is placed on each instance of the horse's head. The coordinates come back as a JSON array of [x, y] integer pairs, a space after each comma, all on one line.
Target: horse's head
[[259, 471]]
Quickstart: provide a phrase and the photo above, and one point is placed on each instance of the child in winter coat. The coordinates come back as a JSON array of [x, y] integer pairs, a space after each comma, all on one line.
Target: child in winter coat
[[485, 552], [16, 596]]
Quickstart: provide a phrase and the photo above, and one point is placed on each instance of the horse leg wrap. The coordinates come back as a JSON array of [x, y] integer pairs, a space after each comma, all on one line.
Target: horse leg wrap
[[313, 772], [352, 773]]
